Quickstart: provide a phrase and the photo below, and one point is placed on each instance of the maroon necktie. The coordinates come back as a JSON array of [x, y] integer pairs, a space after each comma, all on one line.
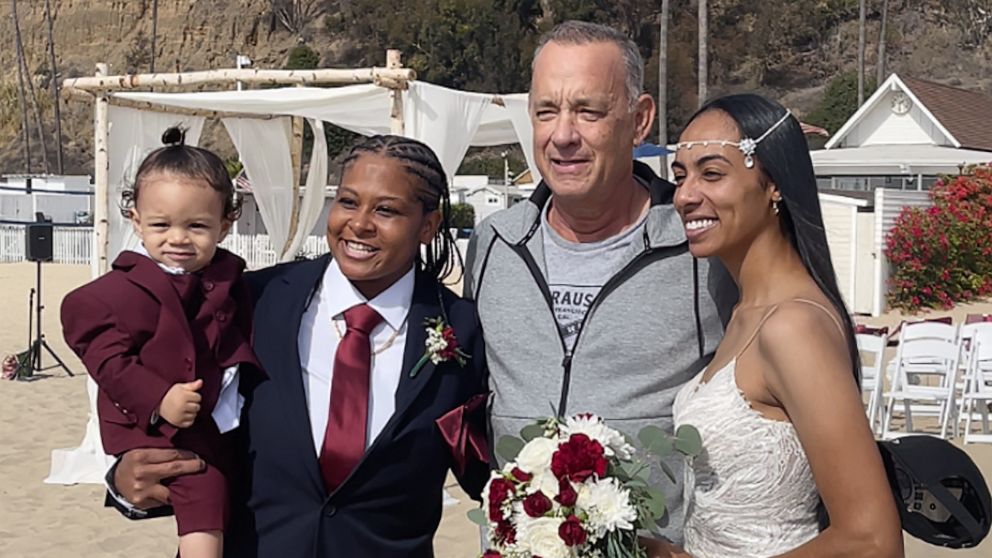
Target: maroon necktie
[[344, 438]]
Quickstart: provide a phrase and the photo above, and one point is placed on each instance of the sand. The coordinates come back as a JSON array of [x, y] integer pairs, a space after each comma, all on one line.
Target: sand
[[40, 520]]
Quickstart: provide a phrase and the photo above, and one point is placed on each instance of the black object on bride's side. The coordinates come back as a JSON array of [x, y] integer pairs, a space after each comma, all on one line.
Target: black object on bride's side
[[941, 495]]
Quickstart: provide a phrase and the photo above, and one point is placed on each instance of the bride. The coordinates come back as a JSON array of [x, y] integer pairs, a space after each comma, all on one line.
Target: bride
[[779, 407]]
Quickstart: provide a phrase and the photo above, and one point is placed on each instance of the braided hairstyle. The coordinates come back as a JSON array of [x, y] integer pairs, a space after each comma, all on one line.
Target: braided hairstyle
[[441, 256], [187, 161]]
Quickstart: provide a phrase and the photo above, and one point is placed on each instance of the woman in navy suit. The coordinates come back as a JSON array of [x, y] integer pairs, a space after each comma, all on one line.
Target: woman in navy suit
[[376, 372]]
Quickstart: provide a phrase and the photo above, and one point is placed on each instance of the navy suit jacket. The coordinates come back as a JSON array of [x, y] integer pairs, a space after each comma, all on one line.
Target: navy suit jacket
[[391, 504]]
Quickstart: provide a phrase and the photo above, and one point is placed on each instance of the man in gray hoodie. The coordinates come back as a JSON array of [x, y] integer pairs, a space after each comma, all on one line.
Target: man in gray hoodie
[[589, 298]]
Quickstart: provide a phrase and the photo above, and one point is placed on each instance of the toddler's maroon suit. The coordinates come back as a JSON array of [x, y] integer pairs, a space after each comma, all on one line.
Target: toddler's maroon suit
[[139, 331]]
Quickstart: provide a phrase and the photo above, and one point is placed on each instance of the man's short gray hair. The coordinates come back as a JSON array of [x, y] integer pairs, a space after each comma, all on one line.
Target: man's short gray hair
[[582, 33]]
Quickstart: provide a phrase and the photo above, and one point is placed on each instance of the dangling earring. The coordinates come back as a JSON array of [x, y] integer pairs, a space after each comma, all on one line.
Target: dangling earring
[[775, 209]]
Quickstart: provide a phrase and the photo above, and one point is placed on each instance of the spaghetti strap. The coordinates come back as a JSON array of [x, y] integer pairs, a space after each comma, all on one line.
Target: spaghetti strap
[[757, 328], [833, 318], [772, 310]]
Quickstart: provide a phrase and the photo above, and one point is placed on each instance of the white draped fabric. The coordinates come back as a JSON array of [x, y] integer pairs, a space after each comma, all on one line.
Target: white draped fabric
[[86, 464], [445, 119], [313, 195], [519, 114], [265, 153], [264, 146]]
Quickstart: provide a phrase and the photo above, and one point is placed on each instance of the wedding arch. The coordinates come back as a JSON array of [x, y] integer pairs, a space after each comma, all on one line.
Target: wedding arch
[[266, 127]]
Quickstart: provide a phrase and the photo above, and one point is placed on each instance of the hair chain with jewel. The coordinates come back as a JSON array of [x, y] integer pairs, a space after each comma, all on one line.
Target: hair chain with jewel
[[746, 145]]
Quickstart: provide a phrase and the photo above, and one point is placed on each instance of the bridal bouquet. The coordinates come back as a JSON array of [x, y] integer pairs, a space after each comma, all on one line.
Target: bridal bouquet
[[575, 488]]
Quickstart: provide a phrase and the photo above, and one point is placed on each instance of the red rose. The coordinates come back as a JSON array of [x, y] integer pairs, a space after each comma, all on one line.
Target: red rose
[[566, 494], [578, 459], [492, 554], [499, 491], [505, 532], [449, 351], [520, 475], [537, 504], [571, 531]]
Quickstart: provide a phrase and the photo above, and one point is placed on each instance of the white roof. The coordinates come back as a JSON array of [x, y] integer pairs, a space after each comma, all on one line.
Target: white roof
[[888, 160], [891, 84]]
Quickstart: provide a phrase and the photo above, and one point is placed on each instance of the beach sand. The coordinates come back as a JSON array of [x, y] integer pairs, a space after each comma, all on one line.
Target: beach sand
[[39, 520]]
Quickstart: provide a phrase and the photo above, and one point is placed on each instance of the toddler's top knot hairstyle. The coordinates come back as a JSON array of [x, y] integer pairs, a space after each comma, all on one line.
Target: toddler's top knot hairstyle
[[174, 137], [186, 161]]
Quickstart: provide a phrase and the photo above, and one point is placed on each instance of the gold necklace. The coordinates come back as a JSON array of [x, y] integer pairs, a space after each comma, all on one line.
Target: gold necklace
[[375, 351]]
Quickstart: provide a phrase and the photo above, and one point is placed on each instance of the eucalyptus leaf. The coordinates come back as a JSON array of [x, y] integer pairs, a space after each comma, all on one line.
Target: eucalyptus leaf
[[688, 440], [532, 431], [656, 441], [478, 517], [509, 447], [656, 502], [644, 473], [668, 471]]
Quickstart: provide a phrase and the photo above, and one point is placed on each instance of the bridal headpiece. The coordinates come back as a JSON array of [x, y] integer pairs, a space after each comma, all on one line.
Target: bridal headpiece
[[746, 144]]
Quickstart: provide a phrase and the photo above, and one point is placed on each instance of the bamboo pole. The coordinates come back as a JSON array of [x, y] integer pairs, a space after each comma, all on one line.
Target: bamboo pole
[[394, 76], [86, 96], [296, 160], [396, 124], [101, 174]]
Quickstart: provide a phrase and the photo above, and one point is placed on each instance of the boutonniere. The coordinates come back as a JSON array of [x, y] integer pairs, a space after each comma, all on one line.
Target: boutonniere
[[441, 345]]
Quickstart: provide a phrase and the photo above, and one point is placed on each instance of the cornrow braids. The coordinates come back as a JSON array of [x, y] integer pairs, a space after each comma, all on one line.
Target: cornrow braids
[[441, 256]]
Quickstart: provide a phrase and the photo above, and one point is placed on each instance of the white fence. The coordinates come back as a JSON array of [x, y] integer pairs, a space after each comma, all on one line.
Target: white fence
[[71, 245], [74, 245]]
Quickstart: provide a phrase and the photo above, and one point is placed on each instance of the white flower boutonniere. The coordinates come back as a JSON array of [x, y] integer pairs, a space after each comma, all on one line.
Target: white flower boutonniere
[[441, 345]]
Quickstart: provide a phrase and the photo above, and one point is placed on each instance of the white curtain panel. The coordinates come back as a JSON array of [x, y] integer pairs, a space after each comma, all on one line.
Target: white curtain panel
[[313, 195], [444, 119], [519, 114], [86, 464], [264, 148], [133, 135]]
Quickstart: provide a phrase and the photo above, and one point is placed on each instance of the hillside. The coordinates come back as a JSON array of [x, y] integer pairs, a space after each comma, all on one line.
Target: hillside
[[789, 49]]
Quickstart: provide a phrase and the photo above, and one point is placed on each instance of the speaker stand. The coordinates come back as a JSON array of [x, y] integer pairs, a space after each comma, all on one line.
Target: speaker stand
[[39, 341]]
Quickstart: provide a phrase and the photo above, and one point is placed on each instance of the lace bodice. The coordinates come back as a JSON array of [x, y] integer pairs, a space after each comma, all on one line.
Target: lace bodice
[[750, 493]]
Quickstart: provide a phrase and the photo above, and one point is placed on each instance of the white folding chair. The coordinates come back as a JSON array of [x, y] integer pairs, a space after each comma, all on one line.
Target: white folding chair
[[924, 376], [872, 347], [978, 384], [965, 334]]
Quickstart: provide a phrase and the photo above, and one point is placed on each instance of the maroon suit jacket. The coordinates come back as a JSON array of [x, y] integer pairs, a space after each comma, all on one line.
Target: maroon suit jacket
[[133, 334]]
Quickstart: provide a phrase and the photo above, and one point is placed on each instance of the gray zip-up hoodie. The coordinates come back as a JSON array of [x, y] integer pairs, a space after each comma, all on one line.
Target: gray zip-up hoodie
[[651, 328]]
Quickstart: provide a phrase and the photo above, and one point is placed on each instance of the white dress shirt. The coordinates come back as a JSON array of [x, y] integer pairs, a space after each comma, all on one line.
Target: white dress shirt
[[318, 343]]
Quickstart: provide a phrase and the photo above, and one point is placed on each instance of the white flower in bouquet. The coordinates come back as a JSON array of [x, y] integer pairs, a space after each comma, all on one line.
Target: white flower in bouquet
[[607, 505], [536, 455], [535, 459], [593, 426], [540, 537]]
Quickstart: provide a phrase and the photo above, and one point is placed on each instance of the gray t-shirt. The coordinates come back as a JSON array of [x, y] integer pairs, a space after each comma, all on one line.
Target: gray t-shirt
[[577, 271]]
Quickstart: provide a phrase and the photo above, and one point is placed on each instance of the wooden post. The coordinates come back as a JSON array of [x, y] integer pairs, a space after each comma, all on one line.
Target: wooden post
[[101, 173], [396, 124]]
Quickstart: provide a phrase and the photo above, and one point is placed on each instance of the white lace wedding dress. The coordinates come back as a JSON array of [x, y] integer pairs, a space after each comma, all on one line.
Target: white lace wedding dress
[[750, 493]]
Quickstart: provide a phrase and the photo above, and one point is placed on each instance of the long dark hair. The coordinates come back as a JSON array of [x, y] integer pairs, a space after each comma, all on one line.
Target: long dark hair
[[441, 255], [783, 157], [188, 161]]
